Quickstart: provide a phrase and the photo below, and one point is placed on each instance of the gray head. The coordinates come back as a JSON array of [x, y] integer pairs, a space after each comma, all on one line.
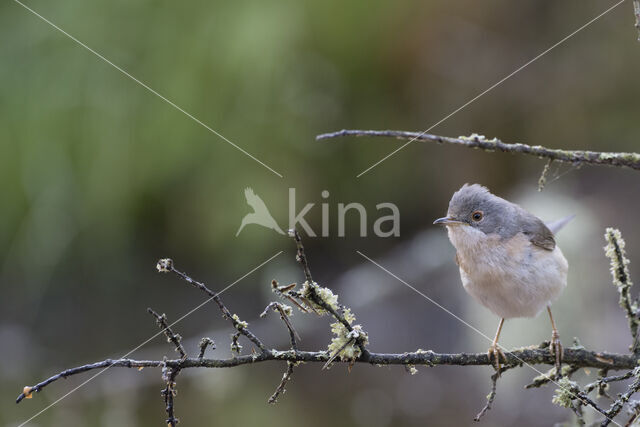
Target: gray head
[[473, 205]]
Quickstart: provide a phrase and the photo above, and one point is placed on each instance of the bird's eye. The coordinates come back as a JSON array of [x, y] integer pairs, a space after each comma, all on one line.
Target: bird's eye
[[477, 216]]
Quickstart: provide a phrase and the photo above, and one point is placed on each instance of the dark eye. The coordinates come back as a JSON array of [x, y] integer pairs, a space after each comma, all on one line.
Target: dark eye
[[477, 216]]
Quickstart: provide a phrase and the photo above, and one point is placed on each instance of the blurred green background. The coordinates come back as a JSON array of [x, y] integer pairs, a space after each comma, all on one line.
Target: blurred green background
[[100, 178]]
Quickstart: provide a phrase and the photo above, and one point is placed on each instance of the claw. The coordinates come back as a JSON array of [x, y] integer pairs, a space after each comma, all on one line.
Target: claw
[[555, 348], [495, 352]]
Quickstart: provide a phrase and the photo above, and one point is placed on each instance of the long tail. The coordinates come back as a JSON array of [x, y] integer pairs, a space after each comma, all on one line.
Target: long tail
[[557, 225]]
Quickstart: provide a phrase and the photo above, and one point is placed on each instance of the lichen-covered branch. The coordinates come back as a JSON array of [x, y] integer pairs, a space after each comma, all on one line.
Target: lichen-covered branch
[[349, 346], [619, 403], [621, 279], [575, 157], [169, 393], [204, 343], [532, 356]]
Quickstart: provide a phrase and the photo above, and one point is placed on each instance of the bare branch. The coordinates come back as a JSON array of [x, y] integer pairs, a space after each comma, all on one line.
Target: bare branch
[[169, 392], [575, 157], [532, 356], [491, 396], [285, 312], [300, 256], [166, 265], [171, 336], [619, 403], [285, 379]]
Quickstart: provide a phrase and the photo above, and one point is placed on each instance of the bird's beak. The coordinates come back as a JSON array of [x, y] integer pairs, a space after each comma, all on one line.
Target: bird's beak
[[448, 220]]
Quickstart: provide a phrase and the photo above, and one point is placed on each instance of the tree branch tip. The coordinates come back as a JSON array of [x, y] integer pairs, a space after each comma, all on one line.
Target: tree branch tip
[[165, 265]]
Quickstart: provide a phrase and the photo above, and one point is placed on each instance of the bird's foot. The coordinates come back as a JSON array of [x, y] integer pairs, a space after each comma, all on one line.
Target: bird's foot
[[555, 348], [494, 354]]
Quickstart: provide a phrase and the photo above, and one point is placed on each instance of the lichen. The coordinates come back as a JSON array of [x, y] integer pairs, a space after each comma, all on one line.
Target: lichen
[[566, 392], [345, 343], [283, 354], [235, 345], [617, 256], [614, 250], [287, 309], [164, 265], [239, 324], [324, 294]]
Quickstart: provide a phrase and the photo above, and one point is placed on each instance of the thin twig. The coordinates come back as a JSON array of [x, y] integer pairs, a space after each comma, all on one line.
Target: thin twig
[[239, 325], [619, 403], [300, 256], [549, 376], [204, 343], [281, 387], [606, 380], [621, 159], [276, 306], [293, 334], [169, 393], [316, 299], [621, 279], [490, 397], [577, 409], [171, 336]]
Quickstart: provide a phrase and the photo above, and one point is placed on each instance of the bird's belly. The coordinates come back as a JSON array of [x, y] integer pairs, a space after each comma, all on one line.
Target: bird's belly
[[516, 286]]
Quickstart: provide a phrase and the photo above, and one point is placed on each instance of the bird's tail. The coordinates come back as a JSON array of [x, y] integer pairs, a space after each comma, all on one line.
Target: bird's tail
[[557, 225], [241, 226]]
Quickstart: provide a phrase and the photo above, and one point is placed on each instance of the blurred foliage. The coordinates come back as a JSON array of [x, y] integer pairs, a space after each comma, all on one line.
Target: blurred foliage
[[100, 177]]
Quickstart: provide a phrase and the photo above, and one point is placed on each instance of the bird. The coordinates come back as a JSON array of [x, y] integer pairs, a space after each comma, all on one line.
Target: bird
[[260, 214], [508, 259]]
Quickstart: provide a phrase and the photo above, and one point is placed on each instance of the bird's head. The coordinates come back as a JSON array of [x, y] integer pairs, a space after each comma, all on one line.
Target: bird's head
[[474, 206]]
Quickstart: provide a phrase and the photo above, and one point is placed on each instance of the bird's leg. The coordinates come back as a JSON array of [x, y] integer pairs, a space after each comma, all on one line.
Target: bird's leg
[[555, 347], [494, 351]]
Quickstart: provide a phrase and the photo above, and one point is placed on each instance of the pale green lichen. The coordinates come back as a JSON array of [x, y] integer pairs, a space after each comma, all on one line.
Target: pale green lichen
[[621, 279], [235, 345], [283, 354], [473, 137], [286, 309], [412, 369], [548, 376], [542, 181], [428, 363], [239, 324], [164, 265], [345, 343], [617, 256], [566, 392], [324, 294]]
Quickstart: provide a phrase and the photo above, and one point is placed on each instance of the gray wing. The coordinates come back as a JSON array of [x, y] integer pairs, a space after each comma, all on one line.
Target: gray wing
[[537, 232]]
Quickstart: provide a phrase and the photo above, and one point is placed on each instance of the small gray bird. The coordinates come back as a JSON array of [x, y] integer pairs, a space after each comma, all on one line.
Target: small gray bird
[[508, 259]]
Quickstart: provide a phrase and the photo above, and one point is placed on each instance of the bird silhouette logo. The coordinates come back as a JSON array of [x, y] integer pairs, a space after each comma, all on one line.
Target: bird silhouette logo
[[260, 214]]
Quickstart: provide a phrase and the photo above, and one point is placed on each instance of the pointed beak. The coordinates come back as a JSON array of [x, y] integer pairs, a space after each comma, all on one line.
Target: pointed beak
[[447, 220]]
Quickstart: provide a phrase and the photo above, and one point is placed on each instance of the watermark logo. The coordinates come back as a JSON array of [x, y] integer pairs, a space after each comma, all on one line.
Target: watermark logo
[[260, 214], [384, 226]]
